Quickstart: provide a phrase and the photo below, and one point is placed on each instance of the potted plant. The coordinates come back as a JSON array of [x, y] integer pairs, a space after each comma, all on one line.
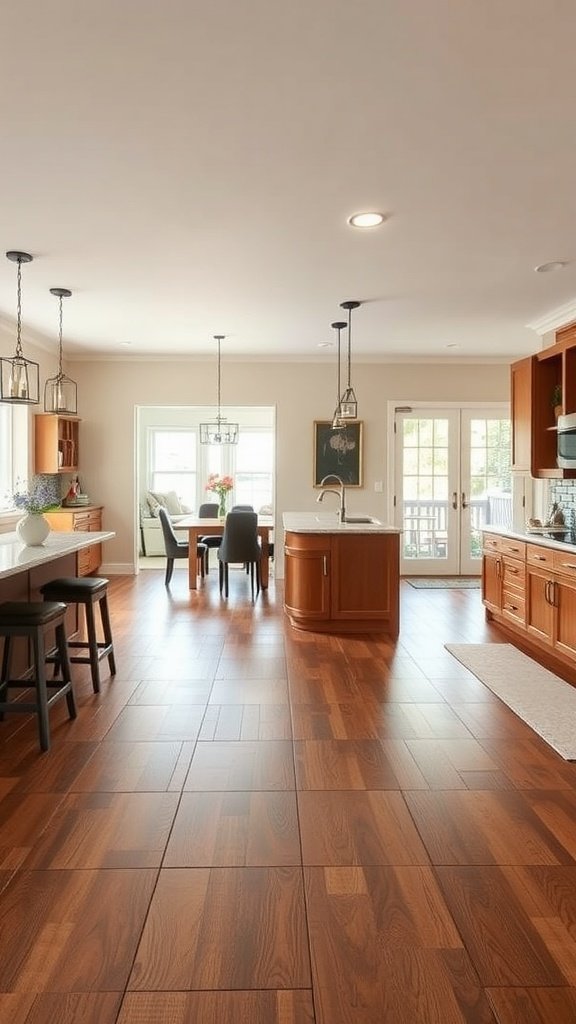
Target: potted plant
[[556, 400]]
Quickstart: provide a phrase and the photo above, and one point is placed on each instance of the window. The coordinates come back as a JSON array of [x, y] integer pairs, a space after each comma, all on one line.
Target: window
[[6, 481], [14, 425], [254, 472], [173, 464]]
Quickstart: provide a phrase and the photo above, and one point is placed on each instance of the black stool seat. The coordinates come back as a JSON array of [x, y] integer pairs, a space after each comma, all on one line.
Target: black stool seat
[[85, 591], [30, 613], [32, 620]]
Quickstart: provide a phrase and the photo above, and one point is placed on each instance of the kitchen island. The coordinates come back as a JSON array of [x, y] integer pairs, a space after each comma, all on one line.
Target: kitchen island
[[341, 577]]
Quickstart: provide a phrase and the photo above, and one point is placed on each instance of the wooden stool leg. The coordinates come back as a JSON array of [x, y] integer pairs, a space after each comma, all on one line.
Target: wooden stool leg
[[92, 646], [62, 645], [41, 693], [107, 630]]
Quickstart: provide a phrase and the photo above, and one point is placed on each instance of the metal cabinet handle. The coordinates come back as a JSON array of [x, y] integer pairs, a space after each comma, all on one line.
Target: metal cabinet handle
[[454, 499], [511, 607], [539, 558], [568, 565], [325, 564], [513, 572], [464, 502]]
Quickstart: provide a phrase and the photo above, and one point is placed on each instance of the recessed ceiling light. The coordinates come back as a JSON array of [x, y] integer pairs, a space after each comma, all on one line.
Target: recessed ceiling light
[[325, 344], [126, 343], [366, 220], [452, 344], [546, 268]]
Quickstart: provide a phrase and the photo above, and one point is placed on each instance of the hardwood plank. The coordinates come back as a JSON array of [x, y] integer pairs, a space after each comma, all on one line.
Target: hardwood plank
[[172, 691], [224, 928], [129, 768], [72, 931], [283, 1007], [530, 763], [246, 690], [246, 722], [234, 830], [159, 722], [23, 818], [106, 830], [54, 774], [242, 766], [343, 764], [348, 828], [502, 941], [251, 667], [533, 1005], [485, 828], [60, 1008]]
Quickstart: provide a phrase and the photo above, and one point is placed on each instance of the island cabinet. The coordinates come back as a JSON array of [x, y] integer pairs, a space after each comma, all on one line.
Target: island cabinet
[[530, 591], [85, 519], [342, 582]]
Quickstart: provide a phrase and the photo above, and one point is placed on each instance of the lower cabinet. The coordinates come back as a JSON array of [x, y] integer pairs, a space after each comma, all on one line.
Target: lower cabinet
[[88, 519], [535, 597], [342, 582]]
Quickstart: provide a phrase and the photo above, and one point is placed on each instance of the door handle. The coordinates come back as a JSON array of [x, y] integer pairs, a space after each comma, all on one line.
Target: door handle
[[464, 502], [325, 564], [454, 500]]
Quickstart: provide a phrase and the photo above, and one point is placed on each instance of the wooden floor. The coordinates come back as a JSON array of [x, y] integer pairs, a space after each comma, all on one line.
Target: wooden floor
[[255, 826]]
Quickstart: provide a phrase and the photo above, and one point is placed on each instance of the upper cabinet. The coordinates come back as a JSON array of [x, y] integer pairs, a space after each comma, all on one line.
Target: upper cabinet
[[540, 386], [55, 443]]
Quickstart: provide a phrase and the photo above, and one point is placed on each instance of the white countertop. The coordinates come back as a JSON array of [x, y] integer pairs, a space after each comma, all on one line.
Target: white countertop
[[15, 557], [530, 538], [327, 522]]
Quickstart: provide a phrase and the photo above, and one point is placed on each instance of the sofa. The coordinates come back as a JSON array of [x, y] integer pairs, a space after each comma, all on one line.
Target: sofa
[[151, 539]]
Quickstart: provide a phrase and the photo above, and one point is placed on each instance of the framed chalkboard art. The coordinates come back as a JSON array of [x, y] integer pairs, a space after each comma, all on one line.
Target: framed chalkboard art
[[338, 451]]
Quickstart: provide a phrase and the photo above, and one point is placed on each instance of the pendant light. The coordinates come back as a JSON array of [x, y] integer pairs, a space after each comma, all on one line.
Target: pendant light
[[337, 423], [60, 392], [219, 431], [19, 377], [348, 401]]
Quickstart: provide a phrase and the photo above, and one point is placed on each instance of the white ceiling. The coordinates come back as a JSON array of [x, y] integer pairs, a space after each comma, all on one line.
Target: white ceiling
[[187, 168]]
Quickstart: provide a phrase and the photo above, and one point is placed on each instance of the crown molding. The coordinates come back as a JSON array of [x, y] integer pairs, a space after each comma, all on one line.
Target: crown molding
[[557, 318]]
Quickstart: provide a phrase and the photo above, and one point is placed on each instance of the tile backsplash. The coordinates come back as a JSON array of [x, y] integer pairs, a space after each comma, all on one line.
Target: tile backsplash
[[564, 493]]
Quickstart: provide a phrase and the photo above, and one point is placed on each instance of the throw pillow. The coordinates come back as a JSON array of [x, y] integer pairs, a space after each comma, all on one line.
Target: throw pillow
[[169, 500]]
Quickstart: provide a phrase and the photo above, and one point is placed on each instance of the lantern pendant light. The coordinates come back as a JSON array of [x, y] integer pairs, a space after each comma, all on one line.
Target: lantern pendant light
[[60, 392], [19, 377], [337, 423], [348, 401], [219, 431]]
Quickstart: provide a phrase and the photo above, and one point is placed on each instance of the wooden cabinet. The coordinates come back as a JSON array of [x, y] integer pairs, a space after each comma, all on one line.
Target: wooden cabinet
[[530, 590], [521, 376], [342, 582], [87, 519], [55, 443]]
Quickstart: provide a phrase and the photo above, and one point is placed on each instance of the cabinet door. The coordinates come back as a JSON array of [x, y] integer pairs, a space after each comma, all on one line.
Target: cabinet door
[[539, 606], [521, 411], [365, 576], [565, 625], [307, 582], [492, 581], [90, 558]]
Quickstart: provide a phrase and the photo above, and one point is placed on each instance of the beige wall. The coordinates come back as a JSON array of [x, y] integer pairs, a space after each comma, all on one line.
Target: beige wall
[[109, 392]]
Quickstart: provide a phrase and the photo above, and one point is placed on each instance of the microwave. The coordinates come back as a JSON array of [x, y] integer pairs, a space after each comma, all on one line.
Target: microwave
[[566, 427]]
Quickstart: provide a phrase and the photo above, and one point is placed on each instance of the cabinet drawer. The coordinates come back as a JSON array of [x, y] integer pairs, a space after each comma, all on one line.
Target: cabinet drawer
[[514, 572], [490, 542], [86, 521], [539, 556], [514, 606], [516, 548], [565, 562]]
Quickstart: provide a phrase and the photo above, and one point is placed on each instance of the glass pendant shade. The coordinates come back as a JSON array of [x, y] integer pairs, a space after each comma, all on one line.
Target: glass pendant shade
[[60, 392], [218, 430], [348, 406], [19, 377]]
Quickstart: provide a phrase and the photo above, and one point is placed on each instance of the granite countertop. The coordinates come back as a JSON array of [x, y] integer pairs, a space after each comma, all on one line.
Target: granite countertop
[[565, 541], [15, 557], [327, 522]]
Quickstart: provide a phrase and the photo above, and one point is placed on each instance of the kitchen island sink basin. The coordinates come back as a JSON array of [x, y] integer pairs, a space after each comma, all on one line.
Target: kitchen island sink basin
[[362, 519]]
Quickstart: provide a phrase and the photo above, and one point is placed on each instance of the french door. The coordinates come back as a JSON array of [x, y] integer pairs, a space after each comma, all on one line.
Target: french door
[[452, 476]]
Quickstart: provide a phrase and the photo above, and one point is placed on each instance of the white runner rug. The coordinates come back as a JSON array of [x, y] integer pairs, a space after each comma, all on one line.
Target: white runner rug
[[544, 701]]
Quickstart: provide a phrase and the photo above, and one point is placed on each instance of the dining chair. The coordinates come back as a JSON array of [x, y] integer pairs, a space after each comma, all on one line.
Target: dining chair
[[178, 548], [240, 544], [209, 510]]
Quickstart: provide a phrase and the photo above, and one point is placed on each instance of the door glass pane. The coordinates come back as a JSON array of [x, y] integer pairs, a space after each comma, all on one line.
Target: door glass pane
[[490, 478], [425, 487]]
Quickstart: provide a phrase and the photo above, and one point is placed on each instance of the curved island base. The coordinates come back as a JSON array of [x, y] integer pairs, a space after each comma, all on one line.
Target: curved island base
[[341, 578]]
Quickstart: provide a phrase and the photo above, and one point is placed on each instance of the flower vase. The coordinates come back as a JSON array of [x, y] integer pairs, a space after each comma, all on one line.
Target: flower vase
[[222, 508], [33, 529]]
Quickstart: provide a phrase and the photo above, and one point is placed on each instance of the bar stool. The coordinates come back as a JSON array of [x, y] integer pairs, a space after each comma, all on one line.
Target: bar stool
[[85, 590], [32, 620]]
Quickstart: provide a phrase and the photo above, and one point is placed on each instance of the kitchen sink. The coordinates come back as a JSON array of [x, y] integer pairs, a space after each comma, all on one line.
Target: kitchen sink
[[363, 519]]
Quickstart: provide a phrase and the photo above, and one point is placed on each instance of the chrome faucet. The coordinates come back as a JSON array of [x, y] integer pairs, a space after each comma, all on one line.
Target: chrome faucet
[[340, 494]]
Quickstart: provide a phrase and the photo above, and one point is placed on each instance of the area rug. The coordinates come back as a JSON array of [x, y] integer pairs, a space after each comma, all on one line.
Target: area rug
[[445, 583], [544, 701]]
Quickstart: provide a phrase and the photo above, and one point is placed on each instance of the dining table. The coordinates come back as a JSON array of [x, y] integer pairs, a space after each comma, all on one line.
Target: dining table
[[198, 527]]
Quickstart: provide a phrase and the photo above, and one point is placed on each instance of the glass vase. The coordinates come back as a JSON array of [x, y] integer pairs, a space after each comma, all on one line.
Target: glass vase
[[222, 507]]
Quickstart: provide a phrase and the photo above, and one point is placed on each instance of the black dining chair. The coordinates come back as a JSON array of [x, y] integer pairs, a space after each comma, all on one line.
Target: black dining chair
[[178, 548], [240, 544], [209, 510], [242, 508]]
